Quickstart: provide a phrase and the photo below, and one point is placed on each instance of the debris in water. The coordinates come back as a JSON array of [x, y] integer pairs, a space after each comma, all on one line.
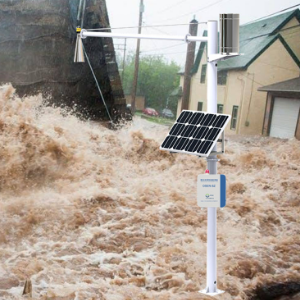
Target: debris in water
[[27, 288]]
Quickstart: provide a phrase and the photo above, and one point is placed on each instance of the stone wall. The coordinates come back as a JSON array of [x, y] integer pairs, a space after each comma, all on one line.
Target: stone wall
[[37, 41]]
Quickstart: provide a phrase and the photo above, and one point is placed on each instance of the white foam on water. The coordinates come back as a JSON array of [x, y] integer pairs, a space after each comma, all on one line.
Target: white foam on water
[[92, 213]]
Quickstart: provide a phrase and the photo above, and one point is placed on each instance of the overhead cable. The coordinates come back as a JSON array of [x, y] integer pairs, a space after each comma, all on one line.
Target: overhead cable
[[180, 44], [168, 8], [275, 13], [194, 11], [147, 26], [284, 29]]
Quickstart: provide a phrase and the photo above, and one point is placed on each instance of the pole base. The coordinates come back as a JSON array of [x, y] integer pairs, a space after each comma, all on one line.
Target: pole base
[[218, 292]]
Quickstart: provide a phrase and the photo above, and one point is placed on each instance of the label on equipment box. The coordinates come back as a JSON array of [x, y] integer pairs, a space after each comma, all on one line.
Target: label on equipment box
[[211, 190]]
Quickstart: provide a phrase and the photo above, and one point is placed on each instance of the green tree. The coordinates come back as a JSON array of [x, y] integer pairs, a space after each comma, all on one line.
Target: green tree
[[157, 79]]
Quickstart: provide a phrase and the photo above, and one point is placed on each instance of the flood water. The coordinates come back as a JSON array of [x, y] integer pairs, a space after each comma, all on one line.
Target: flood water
[[89, 213]]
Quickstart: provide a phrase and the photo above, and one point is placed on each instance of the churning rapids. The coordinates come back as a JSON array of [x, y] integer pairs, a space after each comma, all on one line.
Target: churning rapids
[[89, 213]]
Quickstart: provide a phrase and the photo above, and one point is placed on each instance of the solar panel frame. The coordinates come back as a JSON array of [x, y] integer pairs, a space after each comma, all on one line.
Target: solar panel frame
[[182, 136]]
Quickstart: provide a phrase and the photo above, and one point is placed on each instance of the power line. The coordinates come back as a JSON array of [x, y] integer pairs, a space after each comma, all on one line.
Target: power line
[[290, 36], [284, 29], [273, 13], [147, 26], [168, 8], [180, 44], [167, 25], [160, 54], [159, 30], [194, 11], [182, 52], [260, 62], [184, 24], [167, 53], [147, 30], [253, 80], [154, 28]]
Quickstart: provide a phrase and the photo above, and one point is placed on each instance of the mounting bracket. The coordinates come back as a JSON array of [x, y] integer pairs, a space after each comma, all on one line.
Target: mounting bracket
[[223, 145], [217, 57]]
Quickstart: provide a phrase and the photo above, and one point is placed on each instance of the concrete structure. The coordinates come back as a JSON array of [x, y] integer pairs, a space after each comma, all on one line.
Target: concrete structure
[[282, 115], [37, 43], [140, 101], [271, 49]]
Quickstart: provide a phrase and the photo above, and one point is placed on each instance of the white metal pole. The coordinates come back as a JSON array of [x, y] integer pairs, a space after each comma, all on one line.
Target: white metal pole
[[212, 48], [185, 38], [211, 267]]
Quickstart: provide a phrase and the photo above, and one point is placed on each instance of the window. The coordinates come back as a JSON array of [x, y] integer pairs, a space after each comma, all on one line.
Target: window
[[220, 109], [200, 106], [203, 74], [222, 77], [234, 116]]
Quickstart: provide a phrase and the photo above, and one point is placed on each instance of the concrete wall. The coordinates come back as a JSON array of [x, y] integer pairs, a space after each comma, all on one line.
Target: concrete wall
[[37, 43]]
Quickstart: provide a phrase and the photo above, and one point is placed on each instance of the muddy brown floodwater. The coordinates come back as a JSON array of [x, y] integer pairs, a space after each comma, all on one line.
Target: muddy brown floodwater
[[88, 213]]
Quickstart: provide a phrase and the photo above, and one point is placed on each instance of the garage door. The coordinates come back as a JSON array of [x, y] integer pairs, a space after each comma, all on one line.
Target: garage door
[[284, 117]]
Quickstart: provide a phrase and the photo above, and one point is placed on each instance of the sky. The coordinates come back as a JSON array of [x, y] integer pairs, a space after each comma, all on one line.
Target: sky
[[125, 13]]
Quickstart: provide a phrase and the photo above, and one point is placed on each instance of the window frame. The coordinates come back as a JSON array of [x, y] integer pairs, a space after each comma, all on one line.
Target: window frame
[[203, 73], [201, 106], [222, 75], [218, 110], [234, 119]]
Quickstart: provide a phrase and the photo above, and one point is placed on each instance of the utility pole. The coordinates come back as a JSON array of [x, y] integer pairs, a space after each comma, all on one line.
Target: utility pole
[[190, 57], [137, 59]]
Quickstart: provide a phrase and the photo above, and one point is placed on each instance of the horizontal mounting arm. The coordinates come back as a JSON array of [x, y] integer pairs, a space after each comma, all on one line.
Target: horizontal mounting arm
[[187, 38], [217, 57]]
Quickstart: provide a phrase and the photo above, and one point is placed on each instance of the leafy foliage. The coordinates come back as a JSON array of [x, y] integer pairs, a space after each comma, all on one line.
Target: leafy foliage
[[157, 79]]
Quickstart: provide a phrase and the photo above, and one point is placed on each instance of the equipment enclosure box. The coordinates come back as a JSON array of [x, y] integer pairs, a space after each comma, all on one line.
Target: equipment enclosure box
[[211, 190]]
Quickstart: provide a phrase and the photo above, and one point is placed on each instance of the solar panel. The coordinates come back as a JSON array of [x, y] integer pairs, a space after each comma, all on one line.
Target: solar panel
[[195, 133]]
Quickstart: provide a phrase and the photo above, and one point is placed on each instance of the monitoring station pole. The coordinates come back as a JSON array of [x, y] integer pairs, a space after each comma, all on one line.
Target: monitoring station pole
[[211, 256], [229, 47]]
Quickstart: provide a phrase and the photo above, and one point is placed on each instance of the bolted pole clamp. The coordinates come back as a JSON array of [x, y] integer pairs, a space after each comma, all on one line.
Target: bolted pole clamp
[[82, 31], [187, 38]]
